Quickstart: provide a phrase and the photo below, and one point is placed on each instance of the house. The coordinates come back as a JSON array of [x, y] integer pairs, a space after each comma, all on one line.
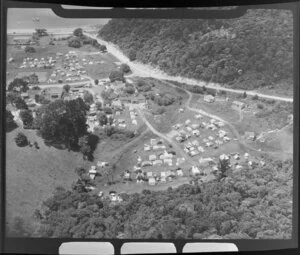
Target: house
[[226, 139], [149, 174], [189, 129], [195, 126], [159, 147], [211, 138], [127, 175], [166, 155], [168, 161], [237, 105], [196, 132], [246, 155], [24, 96], [163, 174], [187, 122], [222, 133], [22, 40], [250, 136], [179, 172], [157, 162], [52, 93], [117, 105], [146, 163], [152, 157], [153, 141], [195, 170], [209, 98], [179, 139], [151, 181], [147, 147], [92, 172], [194, 153], [200, 148], [198, 116], [195, 142], [102, 164], [138, 99]]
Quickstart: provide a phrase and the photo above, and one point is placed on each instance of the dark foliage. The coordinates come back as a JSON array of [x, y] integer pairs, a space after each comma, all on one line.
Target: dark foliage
[[29, 49], [249, 52], [18, 85], [10, 123], [116, 76], [63, 122], [241, 206], [21, 140]]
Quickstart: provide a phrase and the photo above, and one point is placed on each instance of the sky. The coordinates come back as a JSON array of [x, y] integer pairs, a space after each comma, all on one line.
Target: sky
[[18, 18]]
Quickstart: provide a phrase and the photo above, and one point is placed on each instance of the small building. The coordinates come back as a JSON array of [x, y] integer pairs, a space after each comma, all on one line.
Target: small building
[[187, 122], [179, 172], [168, 161], [151, 181], [250, 136], [194, 153], [195, 126], [152, 157], [196, 132], [146, 163], [237, 105], [157, 162], [209, 98], [195, 170], [147, 147], [149, 174]]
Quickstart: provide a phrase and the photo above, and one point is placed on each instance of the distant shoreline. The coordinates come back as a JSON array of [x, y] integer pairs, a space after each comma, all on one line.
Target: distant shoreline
[[57, 31]]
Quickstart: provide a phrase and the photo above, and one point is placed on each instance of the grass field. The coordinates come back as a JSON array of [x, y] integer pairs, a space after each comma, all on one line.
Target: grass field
[[96, 71], [33, 174]]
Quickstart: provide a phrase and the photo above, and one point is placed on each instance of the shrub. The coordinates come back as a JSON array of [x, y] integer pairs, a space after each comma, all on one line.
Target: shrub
[[96, 81], [116, 76], [26, 117], [74, 42], [124, 68], [132, 55], [260, 106], [29, 49], [255, 97], [78, 32], [21, 140]]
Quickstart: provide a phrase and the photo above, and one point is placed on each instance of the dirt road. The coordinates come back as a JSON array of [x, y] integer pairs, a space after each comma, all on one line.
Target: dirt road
[[143, 70]]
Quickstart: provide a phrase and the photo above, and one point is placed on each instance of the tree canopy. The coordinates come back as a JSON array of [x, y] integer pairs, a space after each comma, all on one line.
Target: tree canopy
[[241, 206], [63, 122], [249, 52]]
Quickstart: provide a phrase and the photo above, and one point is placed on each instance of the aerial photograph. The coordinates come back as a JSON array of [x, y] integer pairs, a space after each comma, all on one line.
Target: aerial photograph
[[136, 128]]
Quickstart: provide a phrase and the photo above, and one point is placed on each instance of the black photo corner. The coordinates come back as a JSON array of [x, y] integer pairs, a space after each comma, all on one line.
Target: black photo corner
[[149, 127]]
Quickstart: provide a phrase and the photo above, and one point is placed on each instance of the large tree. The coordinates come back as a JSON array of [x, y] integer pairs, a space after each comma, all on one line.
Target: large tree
[[26, 117], [78, 32], [10, 123], [116, 76], [18, 84], [63, 122]]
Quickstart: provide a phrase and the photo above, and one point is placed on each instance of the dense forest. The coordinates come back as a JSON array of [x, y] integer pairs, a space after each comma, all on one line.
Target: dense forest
[[246, 204], [252, 51]]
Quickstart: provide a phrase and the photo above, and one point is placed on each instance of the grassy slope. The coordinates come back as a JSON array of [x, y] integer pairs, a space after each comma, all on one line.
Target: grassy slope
[[32, 175]]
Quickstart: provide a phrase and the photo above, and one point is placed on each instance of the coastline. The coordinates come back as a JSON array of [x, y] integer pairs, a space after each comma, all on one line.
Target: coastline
[[57, 31]]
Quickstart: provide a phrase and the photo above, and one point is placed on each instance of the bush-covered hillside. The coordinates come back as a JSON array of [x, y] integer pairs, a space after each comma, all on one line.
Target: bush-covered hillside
[[249, 52], [249, 203]]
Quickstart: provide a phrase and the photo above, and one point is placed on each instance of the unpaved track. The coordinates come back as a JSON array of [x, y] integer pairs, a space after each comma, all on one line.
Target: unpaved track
[[142, 70]]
